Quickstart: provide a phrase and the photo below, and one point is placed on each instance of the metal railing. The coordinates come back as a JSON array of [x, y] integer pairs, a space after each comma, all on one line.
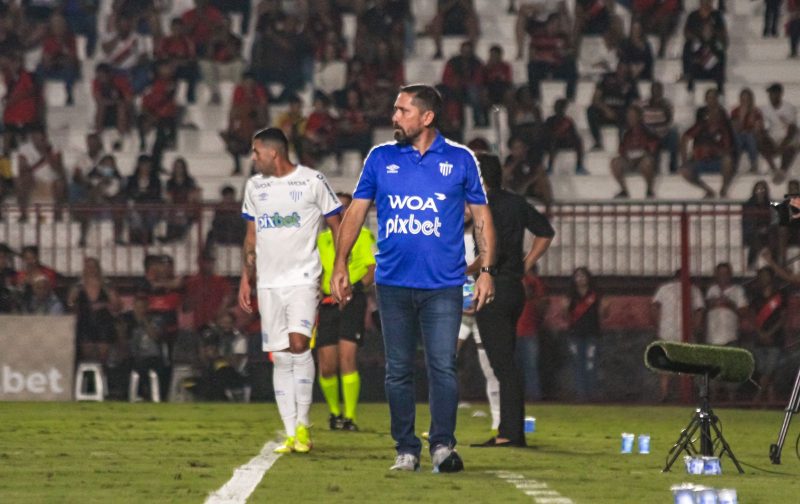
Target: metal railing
[[614, 239]]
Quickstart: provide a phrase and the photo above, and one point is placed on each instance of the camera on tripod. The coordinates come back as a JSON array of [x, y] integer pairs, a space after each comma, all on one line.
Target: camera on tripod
[[788, 210]]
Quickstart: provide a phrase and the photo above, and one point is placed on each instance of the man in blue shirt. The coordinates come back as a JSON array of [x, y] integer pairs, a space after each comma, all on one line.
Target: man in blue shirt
[[420, 184]]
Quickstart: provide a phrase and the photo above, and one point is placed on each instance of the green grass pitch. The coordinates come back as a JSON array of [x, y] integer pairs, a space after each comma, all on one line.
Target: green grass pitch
[[119, 452]]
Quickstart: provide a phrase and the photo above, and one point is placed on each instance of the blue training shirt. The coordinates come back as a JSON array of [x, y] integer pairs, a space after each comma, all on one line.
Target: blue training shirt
[[420, 204]]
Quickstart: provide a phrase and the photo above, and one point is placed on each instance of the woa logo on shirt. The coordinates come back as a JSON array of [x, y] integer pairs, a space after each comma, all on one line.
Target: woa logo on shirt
[[277, 220], [412, 225]]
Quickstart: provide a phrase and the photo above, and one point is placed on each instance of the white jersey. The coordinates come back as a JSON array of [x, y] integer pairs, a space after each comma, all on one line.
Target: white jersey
[[287, 212], [723, 322], [668, 296]]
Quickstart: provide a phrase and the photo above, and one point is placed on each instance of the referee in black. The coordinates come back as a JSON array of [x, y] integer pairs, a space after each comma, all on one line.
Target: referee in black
[[497, 321]]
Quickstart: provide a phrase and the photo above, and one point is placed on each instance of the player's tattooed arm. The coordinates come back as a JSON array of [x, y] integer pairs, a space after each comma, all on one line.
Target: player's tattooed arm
[[484, 234]]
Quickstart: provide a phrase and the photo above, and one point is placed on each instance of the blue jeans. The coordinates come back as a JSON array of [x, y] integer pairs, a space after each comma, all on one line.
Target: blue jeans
[[527, 355], [584, 354], [434, 315]]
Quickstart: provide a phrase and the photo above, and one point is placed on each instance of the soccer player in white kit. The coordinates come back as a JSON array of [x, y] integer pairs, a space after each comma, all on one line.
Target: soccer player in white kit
[[284, 204]]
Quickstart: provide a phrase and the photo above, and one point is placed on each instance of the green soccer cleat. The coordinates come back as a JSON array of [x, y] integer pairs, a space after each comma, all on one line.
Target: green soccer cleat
[[286, 447], [302, 440]]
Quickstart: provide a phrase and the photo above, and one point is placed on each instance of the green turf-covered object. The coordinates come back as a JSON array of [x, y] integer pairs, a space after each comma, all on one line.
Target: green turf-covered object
[[722, 363]]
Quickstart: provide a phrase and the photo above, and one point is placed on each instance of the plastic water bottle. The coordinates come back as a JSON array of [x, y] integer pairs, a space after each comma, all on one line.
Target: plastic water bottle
[[711, 466], [468, 290], [727, 496], [627, 442], [683, 494], [705, 495], [530, 424], [644, 444]]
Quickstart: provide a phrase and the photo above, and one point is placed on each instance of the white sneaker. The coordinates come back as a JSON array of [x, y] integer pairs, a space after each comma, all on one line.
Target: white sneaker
[[405, 462], [446, 460]]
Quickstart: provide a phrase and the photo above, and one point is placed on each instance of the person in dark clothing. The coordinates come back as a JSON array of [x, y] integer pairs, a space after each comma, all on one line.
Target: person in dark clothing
[[612, 97], [95, 304], [769, 307], [497, 321], [758, 230], [8, 294], [583, 316]]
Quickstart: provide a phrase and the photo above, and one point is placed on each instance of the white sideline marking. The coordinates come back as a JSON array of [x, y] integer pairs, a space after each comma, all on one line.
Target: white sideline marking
[[538, 490], [245, 478]]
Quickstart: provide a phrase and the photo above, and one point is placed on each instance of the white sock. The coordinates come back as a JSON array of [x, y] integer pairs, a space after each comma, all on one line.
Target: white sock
[[492, 387], [283, 383], [303, 365]]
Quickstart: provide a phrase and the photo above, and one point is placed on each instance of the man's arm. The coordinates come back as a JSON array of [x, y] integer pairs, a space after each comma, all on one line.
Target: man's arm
[[538, 248], [345, 238], [485, 239], [248, 267]]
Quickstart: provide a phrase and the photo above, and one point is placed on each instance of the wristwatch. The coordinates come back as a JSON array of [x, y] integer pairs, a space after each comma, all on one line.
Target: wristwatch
[[492, 270]]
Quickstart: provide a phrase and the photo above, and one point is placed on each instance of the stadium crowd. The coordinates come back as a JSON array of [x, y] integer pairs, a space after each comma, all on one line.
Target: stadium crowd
[[144, 48]]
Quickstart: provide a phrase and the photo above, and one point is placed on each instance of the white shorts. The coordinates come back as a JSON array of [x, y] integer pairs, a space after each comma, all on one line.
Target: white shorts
[[286, 310], [469, 327]]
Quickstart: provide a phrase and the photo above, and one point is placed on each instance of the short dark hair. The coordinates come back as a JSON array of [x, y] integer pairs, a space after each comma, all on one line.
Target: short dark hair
[[228, 190], [426, 98], [274, 135], [491, 171]]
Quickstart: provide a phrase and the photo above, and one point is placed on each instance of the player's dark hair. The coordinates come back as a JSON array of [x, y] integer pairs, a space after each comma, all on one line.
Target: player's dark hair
[[274, 135], [425, 98], [228, 190], [491, 171]]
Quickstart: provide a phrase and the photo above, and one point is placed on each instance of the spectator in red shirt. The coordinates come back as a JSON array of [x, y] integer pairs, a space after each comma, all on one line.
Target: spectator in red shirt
[[32, 268], [353, 129], [319, 137], [712, 148], [748, 126], [160, 111], [226, 7], [497, 78], [249, 112], [560, 133], [207, 294], [528, 333], [179, 50], [657, 116], [463, 81], [24, 104], [223, 60], [113, 97], [637, 153], [552, 55], [200, 24], [60, 55]]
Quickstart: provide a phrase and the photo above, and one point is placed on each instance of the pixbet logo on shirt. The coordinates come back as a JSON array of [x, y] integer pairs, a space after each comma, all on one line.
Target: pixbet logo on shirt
[[277, 220], [413, 225]]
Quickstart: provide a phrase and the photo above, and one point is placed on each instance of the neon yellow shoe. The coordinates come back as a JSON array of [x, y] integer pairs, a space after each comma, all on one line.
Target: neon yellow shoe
[[286, 447], [302, 440]]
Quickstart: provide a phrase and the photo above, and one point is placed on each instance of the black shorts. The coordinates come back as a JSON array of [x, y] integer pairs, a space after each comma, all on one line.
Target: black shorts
[[347, 324]]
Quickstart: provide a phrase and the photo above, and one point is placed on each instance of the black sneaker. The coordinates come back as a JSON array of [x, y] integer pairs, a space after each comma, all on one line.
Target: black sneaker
[[349, 425], [446, 460], [335, 422]]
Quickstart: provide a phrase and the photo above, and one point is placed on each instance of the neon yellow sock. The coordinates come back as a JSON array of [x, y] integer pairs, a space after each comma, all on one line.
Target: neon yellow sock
[[330, 389], [351, 388]]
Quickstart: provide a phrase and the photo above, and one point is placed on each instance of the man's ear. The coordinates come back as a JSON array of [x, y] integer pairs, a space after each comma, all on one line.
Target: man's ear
[[427, 118]]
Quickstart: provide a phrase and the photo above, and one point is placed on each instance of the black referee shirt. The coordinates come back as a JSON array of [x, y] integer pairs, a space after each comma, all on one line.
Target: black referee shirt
[[512, 215]]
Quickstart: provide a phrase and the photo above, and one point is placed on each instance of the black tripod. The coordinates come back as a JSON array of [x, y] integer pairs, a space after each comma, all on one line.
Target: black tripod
[[706, 422], [791, 408]]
